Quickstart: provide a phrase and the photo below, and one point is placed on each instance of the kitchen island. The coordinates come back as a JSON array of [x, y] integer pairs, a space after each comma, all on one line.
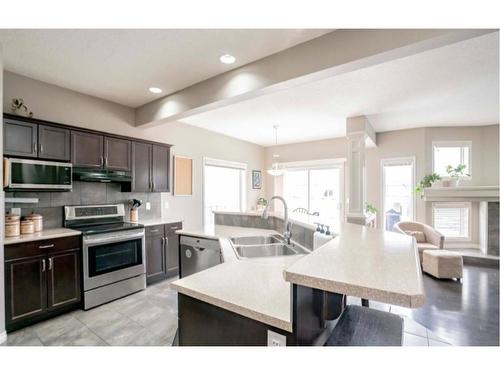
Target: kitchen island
[[239, 301]]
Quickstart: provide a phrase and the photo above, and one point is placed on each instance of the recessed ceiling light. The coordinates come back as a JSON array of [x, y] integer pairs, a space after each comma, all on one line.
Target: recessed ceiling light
[[155, 90], [227, 59]]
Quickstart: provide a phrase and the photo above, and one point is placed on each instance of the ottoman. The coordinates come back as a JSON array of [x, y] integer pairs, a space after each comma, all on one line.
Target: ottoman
[[443, 264]]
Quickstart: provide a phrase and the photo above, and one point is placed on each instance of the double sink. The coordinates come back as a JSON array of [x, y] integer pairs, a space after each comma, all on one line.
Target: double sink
[[265, 246]]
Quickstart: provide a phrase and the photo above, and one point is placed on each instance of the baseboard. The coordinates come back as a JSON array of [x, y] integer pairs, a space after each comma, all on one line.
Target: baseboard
[[3, 337]]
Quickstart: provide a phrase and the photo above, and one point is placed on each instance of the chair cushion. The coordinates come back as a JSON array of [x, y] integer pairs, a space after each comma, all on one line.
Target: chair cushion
[[419, 236]]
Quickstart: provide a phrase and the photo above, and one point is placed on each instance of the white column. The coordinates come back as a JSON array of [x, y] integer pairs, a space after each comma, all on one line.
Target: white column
[[359, 134]]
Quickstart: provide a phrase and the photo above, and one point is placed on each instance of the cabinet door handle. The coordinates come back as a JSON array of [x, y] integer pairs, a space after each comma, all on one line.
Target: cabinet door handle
[[34, 147], [174, 228], [153, 185], [50, 264], [163, 242], [153, 230], [41, 148], [101, 161], [46, 246], [166, 243], [105, 161], [43, 265]]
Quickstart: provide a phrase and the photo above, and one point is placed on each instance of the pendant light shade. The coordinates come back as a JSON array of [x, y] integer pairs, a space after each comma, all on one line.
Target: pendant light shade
[[275, 170]]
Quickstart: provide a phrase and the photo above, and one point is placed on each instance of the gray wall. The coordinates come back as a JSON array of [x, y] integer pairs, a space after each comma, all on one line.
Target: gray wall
[[53, 103], [50, 204], [2, 304]]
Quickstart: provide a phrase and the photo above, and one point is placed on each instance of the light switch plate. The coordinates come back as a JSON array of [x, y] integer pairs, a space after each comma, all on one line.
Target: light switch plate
[[275, 339], [148, 205]]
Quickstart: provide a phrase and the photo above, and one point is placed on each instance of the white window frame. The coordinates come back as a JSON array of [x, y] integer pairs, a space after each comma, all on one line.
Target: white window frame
[[318, 164], [207, 161], [467, 205], [392, 162], [462, 144]]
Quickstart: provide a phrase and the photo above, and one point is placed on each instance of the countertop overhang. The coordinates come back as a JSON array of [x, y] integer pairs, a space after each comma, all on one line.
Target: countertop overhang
[[364, 262]]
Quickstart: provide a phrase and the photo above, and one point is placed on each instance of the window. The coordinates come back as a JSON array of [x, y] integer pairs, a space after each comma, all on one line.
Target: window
[[452, 219], [224, 187], [450, 153], [398, 200], [316, 189]]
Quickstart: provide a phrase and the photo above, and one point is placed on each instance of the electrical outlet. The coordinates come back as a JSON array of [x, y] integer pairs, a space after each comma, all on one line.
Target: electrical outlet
[[148, 205], [275, 339], [166, 205]]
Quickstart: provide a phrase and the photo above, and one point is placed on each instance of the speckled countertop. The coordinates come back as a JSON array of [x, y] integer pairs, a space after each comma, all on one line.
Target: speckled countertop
[[238, 285], [46, 234], [159, 221], [364, 262]]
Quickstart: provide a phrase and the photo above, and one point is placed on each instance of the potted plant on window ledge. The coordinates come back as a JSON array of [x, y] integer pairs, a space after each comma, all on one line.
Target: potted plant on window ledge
[[426, 182], [456, 174]]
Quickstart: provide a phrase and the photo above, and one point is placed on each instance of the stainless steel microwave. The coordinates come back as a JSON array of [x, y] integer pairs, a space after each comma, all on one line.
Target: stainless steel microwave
[[24, 174]]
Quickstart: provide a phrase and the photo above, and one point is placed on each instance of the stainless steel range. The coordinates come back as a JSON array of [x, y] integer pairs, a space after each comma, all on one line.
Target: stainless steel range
[[113, 252]]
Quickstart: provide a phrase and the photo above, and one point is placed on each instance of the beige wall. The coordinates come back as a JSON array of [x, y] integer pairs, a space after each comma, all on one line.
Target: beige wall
[[54, 103], [405, 143]]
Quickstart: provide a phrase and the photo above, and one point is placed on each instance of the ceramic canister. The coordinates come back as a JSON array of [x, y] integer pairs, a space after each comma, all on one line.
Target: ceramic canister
[[12, 225], [27, 227], [37, 221]]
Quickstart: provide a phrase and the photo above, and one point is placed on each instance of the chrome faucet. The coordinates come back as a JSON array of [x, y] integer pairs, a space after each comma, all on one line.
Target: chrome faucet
[[288, 226]]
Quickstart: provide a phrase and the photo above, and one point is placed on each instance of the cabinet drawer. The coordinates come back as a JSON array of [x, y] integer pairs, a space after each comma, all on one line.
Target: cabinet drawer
[[154, 230], [37, 248], [172, 227]]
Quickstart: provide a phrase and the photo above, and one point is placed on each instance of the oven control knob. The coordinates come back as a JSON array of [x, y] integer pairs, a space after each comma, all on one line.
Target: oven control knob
[[188, 254]]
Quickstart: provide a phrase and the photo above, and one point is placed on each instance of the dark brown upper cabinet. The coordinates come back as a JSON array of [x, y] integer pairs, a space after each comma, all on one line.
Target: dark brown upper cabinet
[[150, 167], [20, 138], [141, 166], [87, 150], [27, 139], [117, 154], [53, 143], [160, 168]]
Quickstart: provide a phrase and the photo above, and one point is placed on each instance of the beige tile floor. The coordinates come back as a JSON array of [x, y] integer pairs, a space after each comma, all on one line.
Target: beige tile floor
[[149, 318]]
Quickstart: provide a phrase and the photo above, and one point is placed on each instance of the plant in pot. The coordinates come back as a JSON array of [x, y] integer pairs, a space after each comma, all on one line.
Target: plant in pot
[[426, 182], [370, 208], [261, 204], [457, 173]]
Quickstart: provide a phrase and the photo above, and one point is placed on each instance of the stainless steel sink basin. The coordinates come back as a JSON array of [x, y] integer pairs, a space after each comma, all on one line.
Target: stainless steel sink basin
[[257, 240]]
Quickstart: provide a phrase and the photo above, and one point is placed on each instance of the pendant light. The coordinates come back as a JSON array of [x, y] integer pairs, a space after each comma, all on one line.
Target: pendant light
[[275, 169]]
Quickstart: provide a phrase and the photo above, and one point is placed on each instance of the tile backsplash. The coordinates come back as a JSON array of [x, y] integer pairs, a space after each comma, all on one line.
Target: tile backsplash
[[50, 204]]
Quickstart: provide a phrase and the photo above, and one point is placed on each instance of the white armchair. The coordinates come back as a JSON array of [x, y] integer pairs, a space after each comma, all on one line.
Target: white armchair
[[432, 239]]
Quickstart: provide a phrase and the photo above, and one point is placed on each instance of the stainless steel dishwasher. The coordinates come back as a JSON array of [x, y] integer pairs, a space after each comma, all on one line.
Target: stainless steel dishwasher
[[198, 254]]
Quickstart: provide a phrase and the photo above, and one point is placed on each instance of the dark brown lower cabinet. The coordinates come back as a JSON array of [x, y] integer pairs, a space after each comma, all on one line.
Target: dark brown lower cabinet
[[25, 288], [162, 252], [42, 279], [155, 254], [64, 279]]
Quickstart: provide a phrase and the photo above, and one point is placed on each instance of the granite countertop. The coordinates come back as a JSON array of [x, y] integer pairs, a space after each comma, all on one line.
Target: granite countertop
[[46, 234], [160, 221], [369, 263], [364, 262], [236, 285]]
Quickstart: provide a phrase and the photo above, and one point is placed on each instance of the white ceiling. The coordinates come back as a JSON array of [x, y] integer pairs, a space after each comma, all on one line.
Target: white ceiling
[[120, 65], [456, 85]]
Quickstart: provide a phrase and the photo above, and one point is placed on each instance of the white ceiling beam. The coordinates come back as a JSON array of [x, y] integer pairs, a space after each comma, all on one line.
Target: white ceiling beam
[[335, 53]]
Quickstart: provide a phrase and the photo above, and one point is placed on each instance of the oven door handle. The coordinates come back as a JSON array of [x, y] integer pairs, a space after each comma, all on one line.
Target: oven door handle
[[105, 240]]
